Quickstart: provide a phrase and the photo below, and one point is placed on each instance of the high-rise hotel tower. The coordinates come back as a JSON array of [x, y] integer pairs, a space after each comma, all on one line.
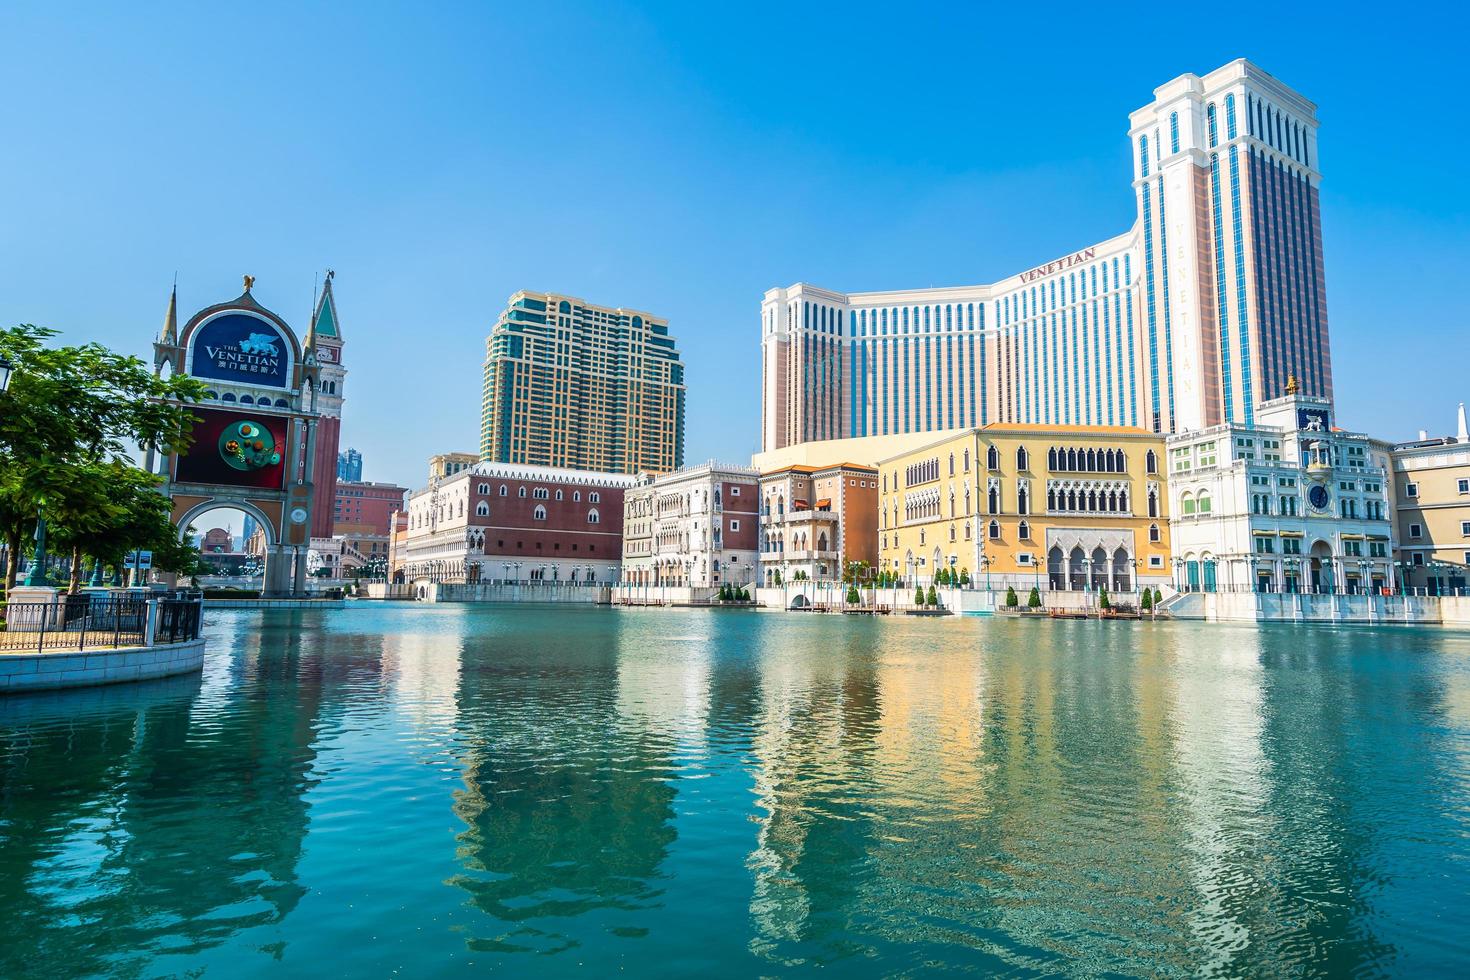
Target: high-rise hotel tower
[[582, 387], [1201, 311]]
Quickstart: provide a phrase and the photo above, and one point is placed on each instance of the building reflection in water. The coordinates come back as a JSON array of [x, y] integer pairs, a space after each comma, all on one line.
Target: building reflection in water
[[152, 819], [567, 804]]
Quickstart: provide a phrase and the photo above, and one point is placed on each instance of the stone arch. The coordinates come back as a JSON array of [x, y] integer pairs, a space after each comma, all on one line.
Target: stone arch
[[272, 531]]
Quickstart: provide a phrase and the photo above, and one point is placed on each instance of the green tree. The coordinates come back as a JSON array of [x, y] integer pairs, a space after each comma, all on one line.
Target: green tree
[[1158, 597], [777, 577], [853, 598], [933, 598], [1102, 599], [964, 576], [1148, 600], [1012, 601], [1034, 600], [919, 597], [69, 409]]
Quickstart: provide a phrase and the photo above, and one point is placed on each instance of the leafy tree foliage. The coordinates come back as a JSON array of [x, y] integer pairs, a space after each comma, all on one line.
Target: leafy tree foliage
[[68, 427]]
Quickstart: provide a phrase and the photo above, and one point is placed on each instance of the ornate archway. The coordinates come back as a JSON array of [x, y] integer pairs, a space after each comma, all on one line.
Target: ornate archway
[[255, 440]]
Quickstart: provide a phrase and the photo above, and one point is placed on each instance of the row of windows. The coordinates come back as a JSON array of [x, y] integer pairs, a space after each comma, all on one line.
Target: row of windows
[[541, 493]]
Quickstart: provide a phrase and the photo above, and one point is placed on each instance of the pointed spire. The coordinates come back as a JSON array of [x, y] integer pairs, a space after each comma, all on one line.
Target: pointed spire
[[170, 335], [1464, 433], [324, 320]]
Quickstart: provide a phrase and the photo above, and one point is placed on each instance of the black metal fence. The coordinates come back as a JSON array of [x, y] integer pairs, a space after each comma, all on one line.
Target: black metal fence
[[97, 622], [178, 620]]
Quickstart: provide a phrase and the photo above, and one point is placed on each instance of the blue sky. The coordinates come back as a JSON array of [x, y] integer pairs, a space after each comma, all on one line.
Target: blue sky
[[679, 158]]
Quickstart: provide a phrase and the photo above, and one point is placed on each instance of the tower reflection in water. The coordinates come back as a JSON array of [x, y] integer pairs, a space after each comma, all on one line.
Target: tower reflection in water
[[157, 823]]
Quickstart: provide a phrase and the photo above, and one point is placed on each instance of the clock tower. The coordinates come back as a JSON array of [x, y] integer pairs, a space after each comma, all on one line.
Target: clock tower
[[324, 346]]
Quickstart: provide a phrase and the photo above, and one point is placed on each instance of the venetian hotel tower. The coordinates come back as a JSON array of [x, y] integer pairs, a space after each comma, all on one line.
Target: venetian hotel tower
[[1195, 315]]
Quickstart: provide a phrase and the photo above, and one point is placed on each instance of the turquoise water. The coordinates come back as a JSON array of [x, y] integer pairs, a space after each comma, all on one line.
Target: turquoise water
[[442, 790]]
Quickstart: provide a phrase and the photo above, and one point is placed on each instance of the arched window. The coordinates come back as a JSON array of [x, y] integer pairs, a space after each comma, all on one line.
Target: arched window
[[1204, 502], [539, 513], [1153, 533], [558, 495], [594, 497], [1021, 460], [1051, 498], [1023, 531], [504, 491], [1186, 504], [576, 496], [1151, 462], [967, 461], [482, 509], [992, 458], [593, 517], [994, 507], [1021, 501], [521, 493], [995, 530], [967, 530], [483, 489]]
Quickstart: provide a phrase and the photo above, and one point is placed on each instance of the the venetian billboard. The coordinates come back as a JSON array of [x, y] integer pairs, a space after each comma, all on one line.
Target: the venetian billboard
[[239, 347], [235, 449]]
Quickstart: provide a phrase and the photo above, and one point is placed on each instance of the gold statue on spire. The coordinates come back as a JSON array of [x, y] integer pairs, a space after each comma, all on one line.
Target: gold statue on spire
[[249, 281], [1292, 387]]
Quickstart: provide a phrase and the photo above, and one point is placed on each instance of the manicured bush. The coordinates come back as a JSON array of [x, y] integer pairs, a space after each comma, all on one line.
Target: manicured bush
[[1148, 600], [852, 596], [1011, 600], [964, 576], [919, 597], [1158, 597], [1034, 602], [933, 599], [1102, 599]]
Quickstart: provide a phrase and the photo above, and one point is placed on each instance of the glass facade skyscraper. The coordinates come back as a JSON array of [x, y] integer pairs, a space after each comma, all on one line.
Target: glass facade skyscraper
[[349, 465]]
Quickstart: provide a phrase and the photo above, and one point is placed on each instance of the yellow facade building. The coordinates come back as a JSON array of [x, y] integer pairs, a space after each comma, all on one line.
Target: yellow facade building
[[1432, 484], [1061, 508]]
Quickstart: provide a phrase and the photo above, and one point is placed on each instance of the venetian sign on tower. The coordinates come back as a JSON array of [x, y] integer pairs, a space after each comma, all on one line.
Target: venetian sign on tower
[[255, 432]]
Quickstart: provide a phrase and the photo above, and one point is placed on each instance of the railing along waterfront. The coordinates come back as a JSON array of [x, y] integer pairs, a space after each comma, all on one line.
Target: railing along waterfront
[[90, 622]]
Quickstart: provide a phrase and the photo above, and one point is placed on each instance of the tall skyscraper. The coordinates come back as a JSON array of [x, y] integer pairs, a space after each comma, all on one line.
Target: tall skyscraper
[[583, 387], [324, 342], [349, 466], [1201, 311]]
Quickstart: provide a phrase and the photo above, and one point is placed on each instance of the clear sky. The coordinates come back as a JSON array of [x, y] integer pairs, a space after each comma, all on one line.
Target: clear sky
[[682, 159]]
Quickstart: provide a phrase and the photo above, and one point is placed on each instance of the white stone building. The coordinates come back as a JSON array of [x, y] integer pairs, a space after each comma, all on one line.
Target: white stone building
[[1290, 504], [696, 528]]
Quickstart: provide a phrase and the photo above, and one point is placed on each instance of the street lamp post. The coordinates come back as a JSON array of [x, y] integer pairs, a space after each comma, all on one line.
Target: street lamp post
[[36, 574], [5, 368], [1178, 574]]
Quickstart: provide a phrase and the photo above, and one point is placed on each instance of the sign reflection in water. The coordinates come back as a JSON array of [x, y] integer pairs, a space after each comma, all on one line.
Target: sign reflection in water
[[669, 792]]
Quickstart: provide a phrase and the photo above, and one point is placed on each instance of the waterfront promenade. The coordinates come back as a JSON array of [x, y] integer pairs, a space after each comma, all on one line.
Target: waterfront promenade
[[435, 789]]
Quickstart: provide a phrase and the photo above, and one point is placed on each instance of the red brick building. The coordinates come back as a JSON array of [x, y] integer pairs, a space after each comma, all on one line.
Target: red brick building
[[362, 515], [515, 522]]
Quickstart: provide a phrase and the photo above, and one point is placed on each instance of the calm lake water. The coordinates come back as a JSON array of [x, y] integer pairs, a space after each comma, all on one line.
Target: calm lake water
[[442, 790]]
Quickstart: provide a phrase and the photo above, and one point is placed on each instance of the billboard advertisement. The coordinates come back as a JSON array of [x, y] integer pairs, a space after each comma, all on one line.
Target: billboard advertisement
[[241, 348], [235, 449]]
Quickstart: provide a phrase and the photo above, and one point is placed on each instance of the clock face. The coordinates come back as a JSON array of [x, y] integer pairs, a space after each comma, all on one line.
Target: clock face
[[326, 355], [1317, 497], [298, 515]]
